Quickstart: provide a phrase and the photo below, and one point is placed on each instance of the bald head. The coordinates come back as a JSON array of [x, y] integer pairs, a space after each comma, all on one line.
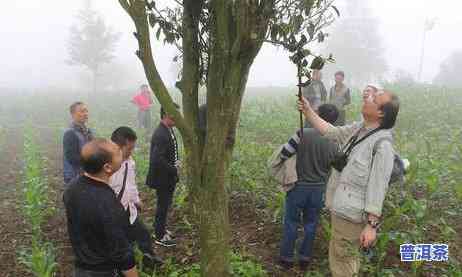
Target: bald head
[[101, 156]]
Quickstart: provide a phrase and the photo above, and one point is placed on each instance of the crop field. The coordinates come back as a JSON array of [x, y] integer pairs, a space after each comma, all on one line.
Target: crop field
[[426, 209]]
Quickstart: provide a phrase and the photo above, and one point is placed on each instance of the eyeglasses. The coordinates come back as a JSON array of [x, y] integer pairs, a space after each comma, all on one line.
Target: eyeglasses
[[372, 94]]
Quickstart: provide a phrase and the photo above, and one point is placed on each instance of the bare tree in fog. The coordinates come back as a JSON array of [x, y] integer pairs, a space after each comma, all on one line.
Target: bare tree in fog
[[449, 74], [92, 42], [357, 46]]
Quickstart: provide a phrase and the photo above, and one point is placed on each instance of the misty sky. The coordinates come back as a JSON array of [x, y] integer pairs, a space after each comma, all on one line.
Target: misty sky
[[34, 35]]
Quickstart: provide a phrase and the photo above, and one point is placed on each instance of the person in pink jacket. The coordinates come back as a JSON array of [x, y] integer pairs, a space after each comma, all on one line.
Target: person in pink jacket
[[143, 101]]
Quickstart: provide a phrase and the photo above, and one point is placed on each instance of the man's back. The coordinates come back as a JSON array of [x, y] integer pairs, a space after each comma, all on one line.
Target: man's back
[[96, 225], [163, 154], [314, 156]]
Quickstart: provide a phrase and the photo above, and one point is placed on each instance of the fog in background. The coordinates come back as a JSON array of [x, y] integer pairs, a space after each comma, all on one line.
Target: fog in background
[[34, 35]]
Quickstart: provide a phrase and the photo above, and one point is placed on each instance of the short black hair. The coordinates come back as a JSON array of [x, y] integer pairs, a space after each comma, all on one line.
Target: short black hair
[[122, 135], [328, 112], [163, 113], [98, 157], [74, 106], [390, 112]]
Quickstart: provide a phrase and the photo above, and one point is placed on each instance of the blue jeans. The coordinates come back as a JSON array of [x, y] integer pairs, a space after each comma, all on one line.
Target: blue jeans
[[302, 202]]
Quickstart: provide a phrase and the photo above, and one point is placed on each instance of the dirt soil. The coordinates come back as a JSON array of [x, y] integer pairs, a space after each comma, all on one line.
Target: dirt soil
[[13, 231], [251, 231]]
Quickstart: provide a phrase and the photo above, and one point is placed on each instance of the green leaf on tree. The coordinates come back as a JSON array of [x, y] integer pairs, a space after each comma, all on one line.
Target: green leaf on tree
[[152, 20], [158, 33]]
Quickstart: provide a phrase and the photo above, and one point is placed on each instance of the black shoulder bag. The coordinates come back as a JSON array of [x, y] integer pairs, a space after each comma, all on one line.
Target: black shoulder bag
[[121, 192], [341, 161]]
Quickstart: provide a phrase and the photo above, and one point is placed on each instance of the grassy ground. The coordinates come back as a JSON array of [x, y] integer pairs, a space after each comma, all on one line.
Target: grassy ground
[[426, 209]]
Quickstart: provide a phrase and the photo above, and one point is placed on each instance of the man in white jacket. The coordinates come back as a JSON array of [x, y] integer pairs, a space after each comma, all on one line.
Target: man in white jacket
[[123, 182]]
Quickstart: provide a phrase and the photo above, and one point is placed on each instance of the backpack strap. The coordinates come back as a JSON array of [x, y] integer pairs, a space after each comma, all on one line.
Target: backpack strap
[[398, 172], [124, 183]]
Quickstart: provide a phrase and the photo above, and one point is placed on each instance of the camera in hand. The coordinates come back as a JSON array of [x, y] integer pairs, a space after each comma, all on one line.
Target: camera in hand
[[340, 162]]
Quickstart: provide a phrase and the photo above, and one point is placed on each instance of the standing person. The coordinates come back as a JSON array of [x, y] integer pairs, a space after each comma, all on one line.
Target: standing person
[[339, 95], [315, 92], [357, 187], [123, 182], [143, 101], [96, 221], [163, 175], [75, 137], [315, 154]]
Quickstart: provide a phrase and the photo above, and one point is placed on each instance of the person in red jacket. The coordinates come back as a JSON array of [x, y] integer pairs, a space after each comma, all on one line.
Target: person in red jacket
[[143, 101]]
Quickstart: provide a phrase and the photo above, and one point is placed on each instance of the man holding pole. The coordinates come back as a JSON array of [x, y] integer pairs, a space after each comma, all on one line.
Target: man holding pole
[[359, 181]]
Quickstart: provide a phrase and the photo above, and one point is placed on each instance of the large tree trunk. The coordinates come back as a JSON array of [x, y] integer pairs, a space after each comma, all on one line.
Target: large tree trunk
[[235, 38], [226, 82], [213, 215]]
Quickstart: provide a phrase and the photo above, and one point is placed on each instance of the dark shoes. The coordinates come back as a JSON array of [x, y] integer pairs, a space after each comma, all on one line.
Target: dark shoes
[[166, 241], [286, 264], [303, 264], [152, 261]]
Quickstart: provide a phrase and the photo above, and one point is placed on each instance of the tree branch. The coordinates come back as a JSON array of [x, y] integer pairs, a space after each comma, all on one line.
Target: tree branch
[[125, 5], [137, 11], [191, 65]]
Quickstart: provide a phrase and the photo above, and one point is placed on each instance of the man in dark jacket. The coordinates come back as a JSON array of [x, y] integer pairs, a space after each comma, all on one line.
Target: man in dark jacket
[[315, 92], [75, 137], [96, 221], [163, 175]]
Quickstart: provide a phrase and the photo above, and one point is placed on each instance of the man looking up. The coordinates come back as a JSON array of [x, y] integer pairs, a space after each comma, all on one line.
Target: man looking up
[[358, 184], [123, 182], [96, 221]]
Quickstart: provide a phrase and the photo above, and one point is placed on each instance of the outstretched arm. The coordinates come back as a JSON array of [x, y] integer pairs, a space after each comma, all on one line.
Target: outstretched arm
[[290, 148]]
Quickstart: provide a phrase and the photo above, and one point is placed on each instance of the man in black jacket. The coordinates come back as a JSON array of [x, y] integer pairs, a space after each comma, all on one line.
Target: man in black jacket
[[163, 175], [96, 221]]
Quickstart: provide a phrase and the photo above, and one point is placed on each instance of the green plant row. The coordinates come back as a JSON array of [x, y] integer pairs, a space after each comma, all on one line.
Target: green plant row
[[39, 257]]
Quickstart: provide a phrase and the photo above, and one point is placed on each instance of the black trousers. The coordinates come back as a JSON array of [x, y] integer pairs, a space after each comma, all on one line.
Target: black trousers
[[164, 195], [139, 234], [78, 272]]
